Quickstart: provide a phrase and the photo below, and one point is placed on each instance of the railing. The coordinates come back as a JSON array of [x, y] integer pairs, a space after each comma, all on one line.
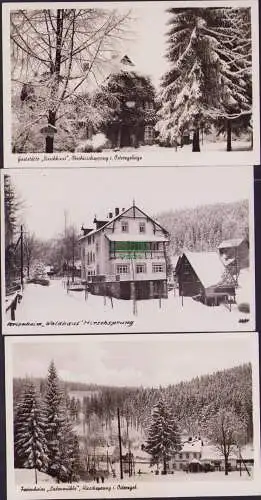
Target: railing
[[11, 301], [149, 254]]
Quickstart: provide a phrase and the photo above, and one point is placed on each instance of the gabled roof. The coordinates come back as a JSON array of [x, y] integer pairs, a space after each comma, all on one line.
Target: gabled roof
[[116, 217], [208, 267], [233, 242]]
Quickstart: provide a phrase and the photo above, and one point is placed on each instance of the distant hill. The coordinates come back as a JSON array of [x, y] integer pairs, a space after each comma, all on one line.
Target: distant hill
[[204, 227]]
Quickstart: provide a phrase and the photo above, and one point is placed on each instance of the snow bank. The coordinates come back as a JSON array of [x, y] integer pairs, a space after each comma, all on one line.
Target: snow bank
[[27, 476], [243, 292]]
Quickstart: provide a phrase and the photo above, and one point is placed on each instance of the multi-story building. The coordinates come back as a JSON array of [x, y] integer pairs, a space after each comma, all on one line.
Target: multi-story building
[[125, 256]]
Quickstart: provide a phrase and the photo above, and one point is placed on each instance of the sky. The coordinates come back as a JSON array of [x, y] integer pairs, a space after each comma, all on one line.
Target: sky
[[151, 361], [83, 193]]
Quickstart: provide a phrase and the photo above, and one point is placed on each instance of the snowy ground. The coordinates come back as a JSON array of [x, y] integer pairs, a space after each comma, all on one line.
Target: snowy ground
[[26, 476], [153, 155], [207, 146], [53, 310]]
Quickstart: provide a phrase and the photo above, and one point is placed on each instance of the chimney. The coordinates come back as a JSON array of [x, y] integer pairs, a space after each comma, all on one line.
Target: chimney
[[117, 211], [110, 215], [99, 223], [85, 230], [123, 209]]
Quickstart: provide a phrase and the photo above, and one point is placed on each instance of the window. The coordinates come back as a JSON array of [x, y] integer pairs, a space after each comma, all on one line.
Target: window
[[148, 133], [158, 268], [140, 268], [180, 456], [187, 455], [97, 246], [124, 227], [142, 227], [195, 455], [122, 269]]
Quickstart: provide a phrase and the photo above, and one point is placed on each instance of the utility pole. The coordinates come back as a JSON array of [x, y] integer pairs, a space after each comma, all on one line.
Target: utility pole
[[22, 257], [73, 257], [120, 448]]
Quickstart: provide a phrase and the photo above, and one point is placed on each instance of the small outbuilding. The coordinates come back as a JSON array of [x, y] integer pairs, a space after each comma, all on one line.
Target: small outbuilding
[[203, 276]]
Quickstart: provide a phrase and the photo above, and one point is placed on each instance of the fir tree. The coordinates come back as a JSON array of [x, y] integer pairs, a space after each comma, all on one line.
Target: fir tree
[[29, 432], [209, 76], [163, 437], [61, 441], [55, 419]]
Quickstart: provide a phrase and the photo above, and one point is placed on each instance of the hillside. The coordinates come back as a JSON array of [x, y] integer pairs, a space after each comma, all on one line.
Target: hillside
[[204, 227], [192, 402]]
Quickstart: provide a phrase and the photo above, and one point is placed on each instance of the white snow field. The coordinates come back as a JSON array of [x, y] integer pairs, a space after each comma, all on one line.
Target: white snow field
[[27, 476], [50, 309]]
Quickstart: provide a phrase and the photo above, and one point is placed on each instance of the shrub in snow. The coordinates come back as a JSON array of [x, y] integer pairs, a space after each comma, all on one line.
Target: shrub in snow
[[243, 292], [39, 275], [96, 144]]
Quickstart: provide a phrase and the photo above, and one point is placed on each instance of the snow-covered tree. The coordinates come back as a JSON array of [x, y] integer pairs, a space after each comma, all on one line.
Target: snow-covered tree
[[61, 442], [227, 431], [209, 75], [30, 446], [11, 213], [54, 54], [163, 437]]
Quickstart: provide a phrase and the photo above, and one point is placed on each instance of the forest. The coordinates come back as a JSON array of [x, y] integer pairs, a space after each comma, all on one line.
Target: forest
[[194, 403], [204, 227]]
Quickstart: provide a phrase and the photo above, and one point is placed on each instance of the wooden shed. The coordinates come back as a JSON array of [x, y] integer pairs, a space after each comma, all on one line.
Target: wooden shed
[[203, 276]]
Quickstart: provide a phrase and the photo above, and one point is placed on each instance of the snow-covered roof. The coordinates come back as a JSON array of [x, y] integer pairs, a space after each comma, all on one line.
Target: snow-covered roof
[[211, 452], [135, 237], [116, 217], [208, 267], [233, 242], [192, 446]]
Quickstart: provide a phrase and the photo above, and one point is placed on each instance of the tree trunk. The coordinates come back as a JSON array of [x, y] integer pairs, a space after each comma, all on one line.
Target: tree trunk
[[196, 141], [226, 466], [229, 136], [49, 139], [164, 466], [35, 475]]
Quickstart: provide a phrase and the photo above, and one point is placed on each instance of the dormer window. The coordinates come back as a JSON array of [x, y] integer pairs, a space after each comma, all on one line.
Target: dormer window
[[124, 227]]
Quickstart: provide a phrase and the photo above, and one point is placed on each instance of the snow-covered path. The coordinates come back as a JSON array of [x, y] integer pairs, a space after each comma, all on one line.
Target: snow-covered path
[[53, 310]]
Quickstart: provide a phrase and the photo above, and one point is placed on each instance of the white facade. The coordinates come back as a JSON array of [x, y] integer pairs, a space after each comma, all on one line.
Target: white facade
[[130, 246]]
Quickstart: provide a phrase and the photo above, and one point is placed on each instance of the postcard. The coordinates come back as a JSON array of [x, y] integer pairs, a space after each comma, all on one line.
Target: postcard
[[143, 83], [128, 250], [136, 417]]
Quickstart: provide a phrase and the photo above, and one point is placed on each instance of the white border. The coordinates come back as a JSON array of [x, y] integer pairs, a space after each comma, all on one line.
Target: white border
[[141, 323], [147, 489], [135, 158]]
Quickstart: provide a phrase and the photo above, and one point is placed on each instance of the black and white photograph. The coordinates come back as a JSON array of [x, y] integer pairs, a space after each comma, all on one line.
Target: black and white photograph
[[145, 82], [128, 250], [117, 416]]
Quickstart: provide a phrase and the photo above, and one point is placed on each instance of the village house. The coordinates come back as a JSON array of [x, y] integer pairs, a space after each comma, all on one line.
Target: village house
[[198, 456], [235, 254], [202, 275], [125, 256]]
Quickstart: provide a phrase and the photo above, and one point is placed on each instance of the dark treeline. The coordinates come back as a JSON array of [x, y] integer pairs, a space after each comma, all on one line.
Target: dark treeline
[[204, 227]]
